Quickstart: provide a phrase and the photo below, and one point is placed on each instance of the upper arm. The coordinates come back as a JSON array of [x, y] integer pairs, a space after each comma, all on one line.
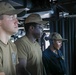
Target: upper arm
[[21, 49], [21, 67]]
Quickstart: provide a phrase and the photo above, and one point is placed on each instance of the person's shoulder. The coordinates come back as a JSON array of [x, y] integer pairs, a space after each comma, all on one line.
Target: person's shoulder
[[44, 54], [22, 42], [19, 40], [59, 51]]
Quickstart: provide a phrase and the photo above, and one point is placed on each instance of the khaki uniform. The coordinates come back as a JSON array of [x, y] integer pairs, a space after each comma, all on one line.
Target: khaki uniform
[[32, 53], [8, 58]]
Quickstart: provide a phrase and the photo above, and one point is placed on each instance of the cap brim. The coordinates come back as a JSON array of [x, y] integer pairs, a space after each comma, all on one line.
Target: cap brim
[[15, 11], [43, 22], [61, 39], [48, 38], [64, 40]]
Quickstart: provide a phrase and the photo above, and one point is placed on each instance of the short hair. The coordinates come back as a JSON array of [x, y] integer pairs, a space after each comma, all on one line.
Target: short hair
[[27, 26]]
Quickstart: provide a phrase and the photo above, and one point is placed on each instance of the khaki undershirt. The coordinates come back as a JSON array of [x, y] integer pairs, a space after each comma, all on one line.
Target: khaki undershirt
[[32, 53], [7, 62]]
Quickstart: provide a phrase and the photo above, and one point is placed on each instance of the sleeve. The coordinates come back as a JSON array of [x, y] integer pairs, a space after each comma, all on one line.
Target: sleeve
[[1, 68], [21, 49], [45, 62]]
